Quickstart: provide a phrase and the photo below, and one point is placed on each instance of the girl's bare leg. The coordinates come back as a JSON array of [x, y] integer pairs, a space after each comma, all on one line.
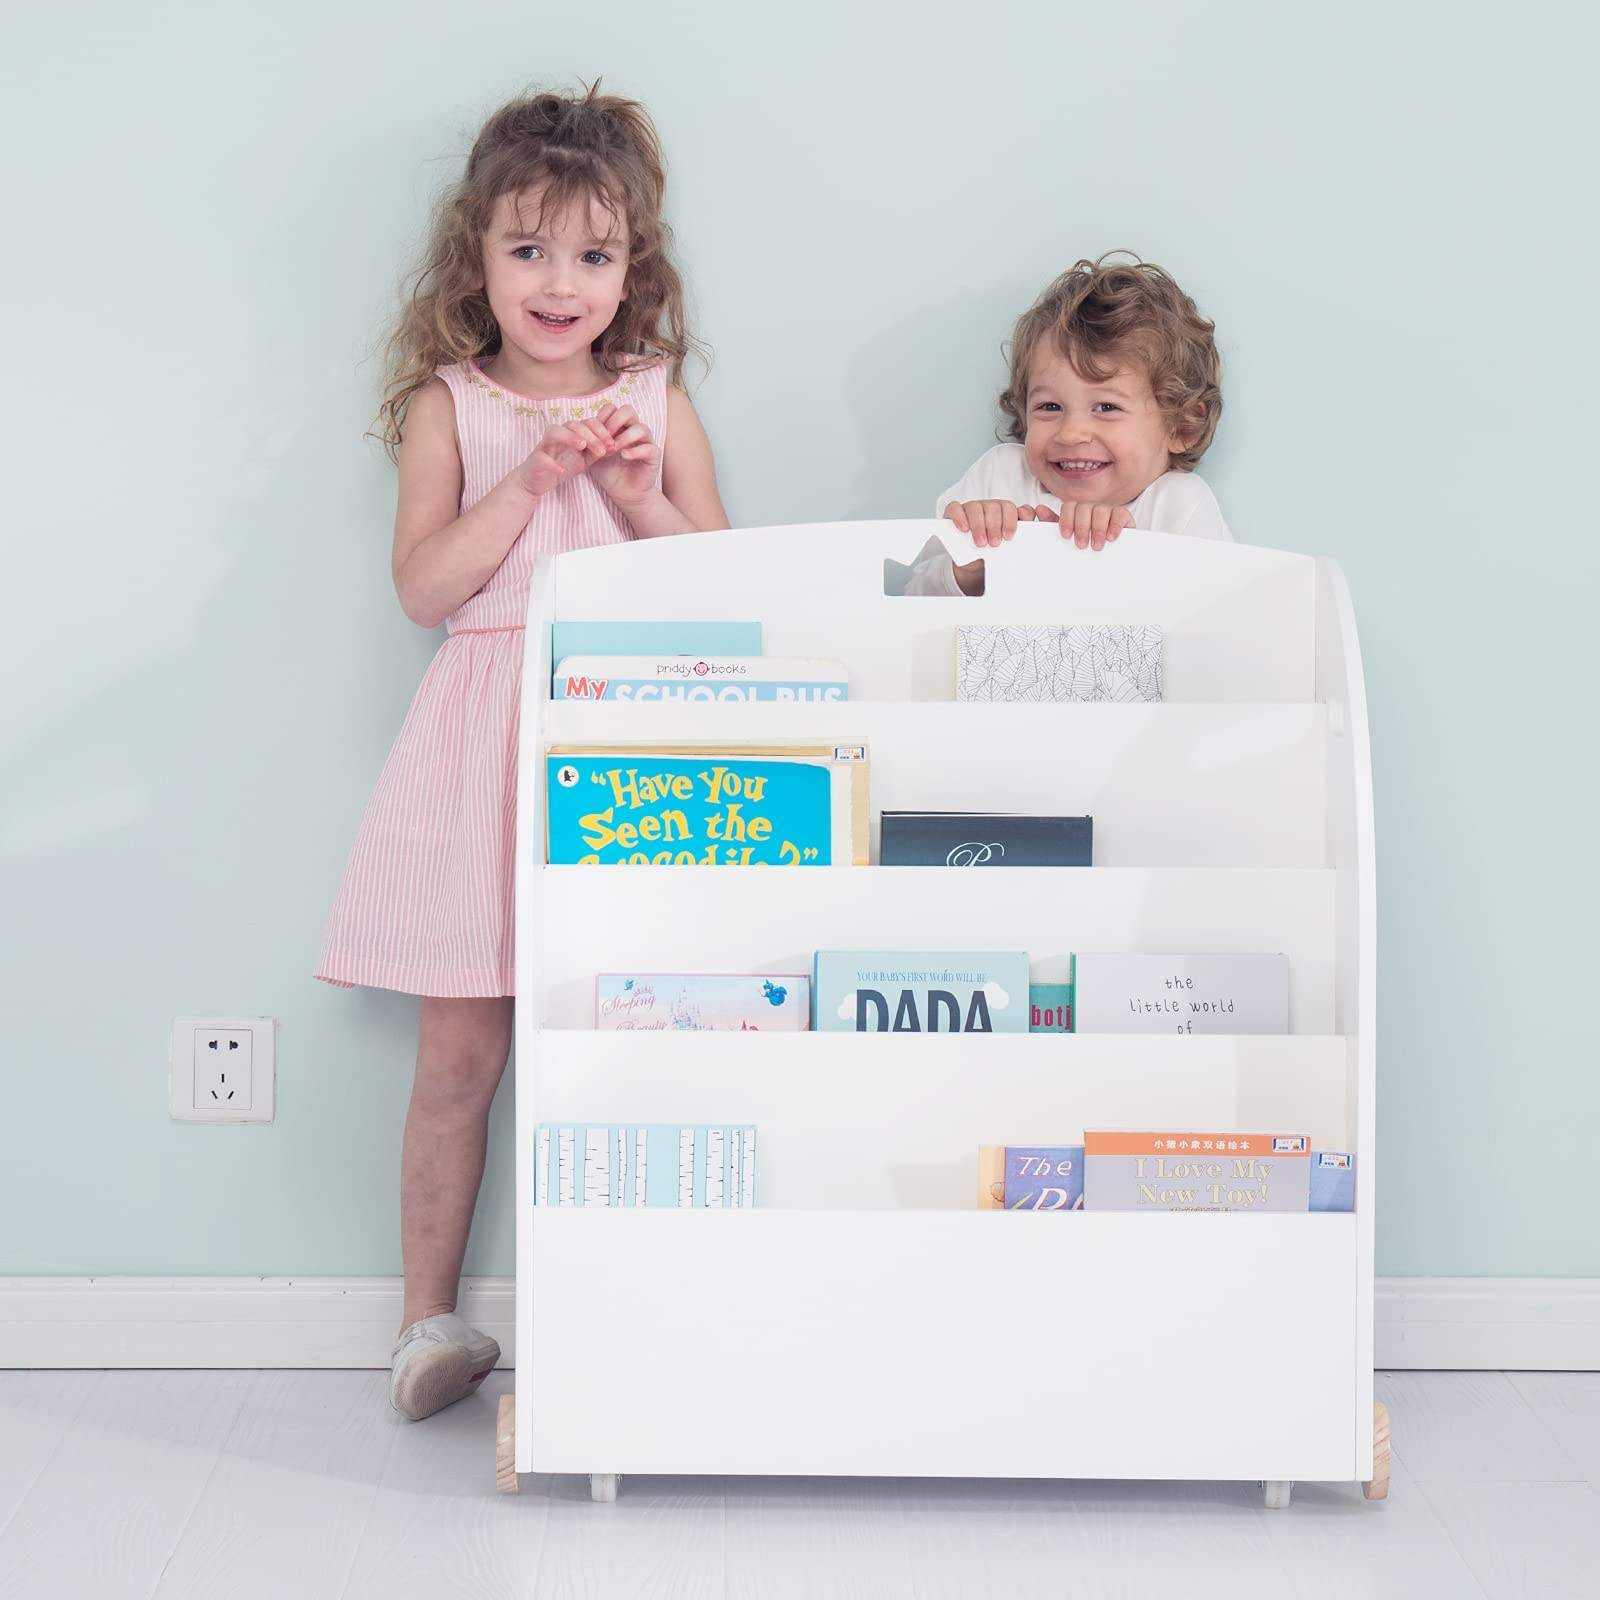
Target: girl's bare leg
[[462, 1048]]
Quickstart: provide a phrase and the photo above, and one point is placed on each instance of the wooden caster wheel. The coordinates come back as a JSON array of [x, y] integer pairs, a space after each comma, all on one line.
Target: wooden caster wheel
[[505, 1446], [1275, 1493], [603, 1487], [1378, 1487]]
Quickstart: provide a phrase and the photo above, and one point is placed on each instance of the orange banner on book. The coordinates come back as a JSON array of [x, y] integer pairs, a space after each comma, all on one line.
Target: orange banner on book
[[1167, 1144]]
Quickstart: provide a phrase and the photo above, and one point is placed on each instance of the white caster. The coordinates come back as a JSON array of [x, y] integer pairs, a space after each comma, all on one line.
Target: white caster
[[1276, 1491], [603, 1487]]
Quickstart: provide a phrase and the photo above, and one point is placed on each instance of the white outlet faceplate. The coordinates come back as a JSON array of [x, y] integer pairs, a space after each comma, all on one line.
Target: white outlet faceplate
[[222, 1069]]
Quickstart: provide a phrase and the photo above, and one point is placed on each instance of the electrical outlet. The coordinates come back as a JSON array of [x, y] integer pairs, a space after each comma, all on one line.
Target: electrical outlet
[[222, 1069]]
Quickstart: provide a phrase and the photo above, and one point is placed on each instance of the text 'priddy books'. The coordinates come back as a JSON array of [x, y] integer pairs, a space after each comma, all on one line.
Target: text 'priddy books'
[[707, 805], [700, 678]]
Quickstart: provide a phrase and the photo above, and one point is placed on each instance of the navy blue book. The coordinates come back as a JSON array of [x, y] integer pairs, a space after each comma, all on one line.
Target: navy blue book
[[984, 839]]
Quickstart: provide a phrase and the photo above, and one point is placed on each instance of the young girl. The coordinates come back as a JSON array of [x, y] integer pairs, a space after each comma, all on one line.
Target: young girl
[[1114, 395], [532, 404]]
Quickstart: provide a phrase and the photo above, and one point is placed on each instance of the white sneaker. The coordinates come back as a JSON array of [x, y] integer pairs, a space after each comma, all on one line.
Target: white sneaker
[[438, 1361]]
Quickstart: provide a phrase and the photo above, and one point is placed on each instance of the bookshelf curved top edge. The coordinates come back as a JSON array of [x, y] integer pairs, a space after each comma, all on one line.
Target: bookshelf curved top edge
[[841, 564]]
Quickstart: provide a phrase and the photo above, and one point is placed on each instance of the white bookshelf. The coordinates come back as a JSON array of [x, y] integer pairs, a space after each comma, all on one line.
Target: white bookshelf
[[864, 1317]]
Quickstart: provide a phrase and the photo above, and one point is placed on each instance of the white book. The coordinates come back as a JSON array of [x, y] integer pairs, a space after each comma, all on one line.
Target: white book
[[1077, 661], [1126, 993]]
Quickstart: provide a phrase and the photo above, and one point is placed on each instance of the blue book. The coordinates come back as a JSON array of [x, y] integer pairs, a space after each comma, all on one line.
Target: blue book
[[920, 991], [708, 805], [1333, 1180], [654, 638], [1030, 1177], [984, 839], [644, 1164]]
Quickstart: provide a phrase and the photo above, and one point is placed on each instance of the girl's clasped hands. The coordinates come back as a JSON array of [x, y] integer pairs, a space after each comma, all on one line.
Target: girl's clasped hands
[[614, 447]]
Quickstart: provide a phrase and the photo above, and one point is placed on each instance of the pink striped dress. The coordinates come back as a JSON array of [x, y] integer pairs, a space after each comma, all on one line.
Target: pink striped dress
[[426, 902]]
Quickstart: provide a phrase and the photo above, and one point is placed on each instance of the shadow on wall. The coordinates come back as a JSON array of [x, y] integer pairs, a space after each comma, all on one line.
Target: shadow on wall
[[922, 394]]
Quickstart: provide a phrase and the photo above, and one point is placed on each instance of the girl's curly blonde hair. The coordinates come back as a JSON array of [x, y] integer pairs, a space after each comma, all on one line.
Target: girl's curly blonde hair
[[591, 148], [1101, 314]]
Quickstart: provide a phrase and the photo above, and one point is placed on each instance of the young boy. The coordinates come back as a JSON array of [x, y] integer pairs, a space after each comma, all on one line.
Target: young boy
[[1114, 395]]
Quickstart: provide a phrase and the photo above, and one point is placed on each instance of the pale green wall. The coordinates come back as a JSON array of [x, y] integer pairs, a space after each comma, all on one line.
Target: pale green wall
[[207, 208]]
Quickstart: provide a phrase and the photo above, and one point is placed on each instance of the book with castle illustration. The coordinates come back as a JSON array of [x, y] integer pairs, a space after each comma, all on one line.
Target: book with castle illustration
[[920, 991], [644, 1164], [984, 839], [1136, 993], [1030, 1177], [1227, 1171], [1076, 661], [707, 805], [700, 1002], [654, 679]]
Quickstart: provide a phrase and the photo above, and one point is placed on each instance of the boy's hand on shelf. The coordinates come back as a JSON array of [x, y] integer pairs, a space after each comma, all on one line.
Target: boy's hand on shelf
[[1092, 527], [632, 470], [991, 522], [565, 451]]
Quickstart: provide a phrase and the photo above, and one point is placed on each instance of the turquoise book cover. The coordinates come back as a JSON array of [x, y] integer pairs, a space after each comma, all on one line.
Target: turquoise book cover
[[920, 991], [654, 638], [707, 807], [1050, 1008]]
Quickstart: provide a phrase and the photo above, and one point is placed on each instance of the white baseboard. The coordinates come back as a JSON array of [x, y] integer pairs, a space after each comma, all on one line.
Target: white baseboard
[[222, 1322], [1488, 1324], [1515, 1324]]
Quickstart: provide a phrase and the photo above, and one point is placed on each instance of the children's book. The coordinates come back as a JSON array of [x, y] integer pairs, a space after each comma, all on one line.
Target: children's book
[[654, 638], [1124, 993], [707, 805], [1082, 661], [1227, 1171], [674, 678], [1049, 1008], [693, 1002], [984, 839], [920, 991], [1030, 1177], [645, 1164], [1333, 1180]]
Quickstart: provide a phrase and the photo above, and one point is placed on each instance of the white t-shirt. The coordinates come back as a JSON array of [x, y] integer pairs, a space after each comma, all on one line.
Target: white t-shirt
[[1177, 502]]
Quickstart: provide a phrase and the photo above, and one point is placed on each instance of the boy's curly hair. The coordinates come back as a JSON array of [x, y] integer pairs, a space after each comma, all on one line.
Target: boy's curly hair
[[584, 148], [1102, 314]]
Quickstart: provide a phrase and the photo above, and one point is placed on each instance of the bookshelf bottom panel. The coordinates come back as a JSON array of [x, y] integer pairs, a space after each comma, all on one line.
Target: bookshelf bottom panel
[[942, 1344]]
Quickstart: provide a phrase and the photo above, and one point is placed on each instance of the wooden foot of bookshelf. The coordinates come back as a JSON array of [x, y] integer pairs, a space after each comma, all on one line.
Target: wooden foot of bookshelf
[[603, 1486], [1378, 1488], [505, 1446], [1275, 1493]]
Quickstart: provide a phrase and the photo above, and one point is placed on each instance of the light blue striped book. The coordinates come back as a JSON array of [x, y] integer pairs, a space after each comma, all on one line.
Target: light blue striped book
[[644, 1164]]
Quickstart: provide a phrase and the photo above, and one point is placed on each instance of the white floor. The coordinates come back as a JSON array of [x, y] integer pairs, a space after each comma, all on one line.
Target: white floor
[[303, 1485]]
